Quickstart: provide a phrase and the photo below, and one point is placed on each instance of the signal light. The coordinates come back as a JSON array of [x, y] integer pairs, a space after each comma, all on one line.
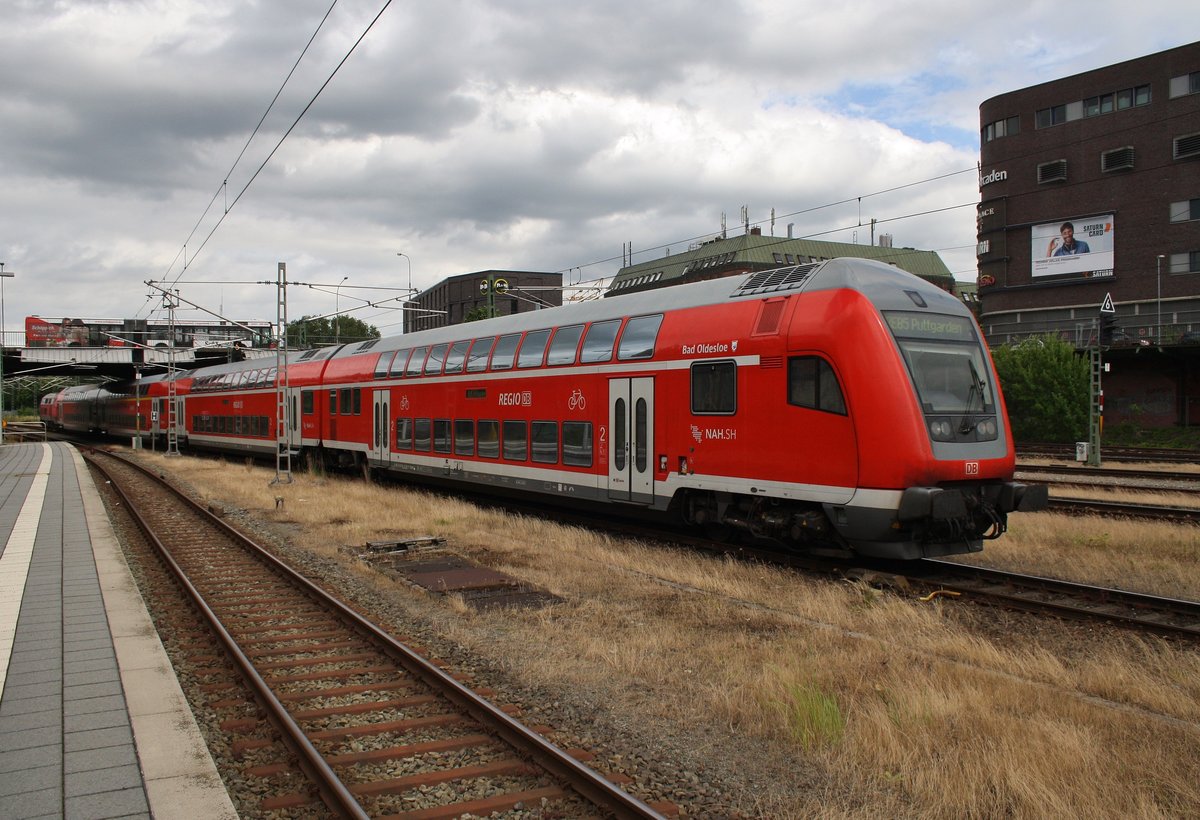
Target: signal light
[[1108, 324]]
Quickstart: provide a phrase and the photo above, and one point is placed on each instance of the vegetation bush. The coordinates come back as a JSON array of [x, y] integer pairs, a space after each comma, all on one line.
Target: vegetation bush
[[1046, 387]]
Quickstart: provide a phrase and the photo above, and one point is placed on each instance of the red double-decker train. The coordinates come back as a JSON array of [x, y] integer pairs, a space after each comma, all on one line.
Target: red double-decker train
[[842, 406]]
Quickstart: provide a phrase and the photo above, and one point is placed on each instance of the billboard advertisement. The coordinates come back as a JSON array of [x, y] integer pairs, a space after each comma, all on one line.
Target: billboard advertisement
[[1076, 248]]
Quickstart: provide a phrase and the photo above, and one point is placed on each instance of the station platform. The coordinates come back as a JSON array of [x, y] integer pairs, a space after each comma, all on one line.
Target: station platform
[[93, 723]]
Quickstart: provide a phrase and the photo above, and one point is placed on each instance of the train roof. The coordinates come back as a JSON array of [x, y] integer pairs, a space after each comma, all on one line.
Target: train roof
[[884, 284], [879, 281]]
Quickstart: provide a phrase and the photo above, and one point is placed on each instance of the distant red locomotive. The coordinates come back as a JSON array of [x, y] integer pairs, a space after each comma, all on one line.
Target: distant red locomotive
[[843, 406]]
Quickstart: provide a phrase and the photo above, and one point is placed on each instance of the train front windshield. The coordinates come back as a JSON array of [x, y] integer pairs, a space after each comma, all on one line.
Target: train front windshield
[[946, 361]]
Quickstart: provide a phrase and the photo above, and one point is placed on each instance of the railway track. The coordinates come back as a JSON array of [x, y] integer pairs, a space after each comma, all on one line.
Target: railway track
[[373, 728], [1108, 476], [1145, 613], [1152, 454], [1116, 509]]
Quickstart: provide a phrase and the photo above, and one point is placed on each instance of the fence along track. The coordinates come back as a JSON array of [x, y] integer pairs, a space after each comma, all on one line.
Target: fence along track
[[319, 669]]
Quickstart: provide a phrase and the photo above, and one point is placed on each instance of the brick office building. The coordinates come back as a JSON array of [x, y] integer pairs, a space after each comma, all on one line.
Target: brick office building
[[1110, 158], [450, 301], [1107, 164]]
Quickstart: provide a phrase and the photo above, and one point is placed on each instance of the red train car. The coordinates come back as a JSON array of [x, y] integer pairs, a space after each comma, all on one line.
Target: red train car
[[840, 406]]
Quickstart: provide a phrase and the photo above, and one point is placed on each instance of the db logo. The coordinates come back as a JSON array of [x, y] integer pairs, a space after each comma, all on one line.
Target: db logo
[[972, 467]]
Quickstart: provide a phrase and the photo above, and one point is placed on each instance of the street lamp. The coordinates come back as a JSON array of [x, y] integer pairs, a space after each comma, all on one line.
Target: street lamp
[[337, 306], [3, 275], [1158, 278], [408, 297]]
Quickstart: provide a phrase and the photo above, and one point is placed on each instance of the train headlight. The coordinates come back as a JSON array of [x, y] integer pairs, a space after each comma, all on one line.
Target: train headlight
[[941, 429], [985, 429]]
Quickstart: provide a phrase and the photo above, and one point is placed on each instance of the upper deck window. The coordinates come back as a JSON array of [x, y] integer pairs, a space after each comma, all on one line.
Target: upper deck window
[[533, 348], [383, 363], [637, 342], [437, 354], [416, 362], [506, 349], [478, 358], [398, 363], [456, 356], [562, 349], [598, 343]]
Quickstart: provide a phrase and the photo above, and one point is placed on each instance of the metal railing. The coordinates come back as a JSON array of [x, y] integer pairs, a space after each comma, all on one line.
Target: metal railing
[[24, 431]]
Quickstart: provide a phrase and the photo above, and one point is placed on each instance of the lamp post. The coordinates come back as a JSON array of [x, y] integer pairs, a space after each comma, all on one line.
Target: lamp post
[[337, 307], [408, 297], [1158, 279], [3, 275]]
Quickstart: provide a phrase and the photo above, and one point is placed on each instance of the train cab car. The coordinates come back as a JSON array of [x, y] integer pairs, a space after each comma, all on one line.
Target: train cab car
[[50, 410], [81, 408], [841, 406]]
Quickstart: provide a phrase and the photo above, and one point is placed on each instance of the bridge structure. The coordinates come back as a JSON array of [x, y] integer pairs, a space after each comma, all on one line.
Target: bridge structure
[[116, 363]]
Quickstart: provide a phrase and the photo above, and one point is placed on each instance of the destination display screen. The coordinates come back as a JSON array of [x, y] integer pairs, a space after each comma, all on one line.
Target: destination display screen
[[931, 326]]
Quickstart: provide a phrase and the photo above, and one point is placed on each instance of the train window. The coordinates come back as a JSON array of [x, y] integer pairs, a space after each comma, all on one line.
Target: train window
[[416, 361], [640, 432], [437, 354], [398, 363], [357, 401], [478, 359], [383, 363], [566, 342], [464, 437], [516, 441], [422, 434], [598, 343], [545, 441], [489, 439], [347, 401], [533, 348], [812, 383], [714, 388], [307, 401], [506, 349], [619, 435], [456, 357], [333, 402], [637, 342], [404, 434], [577, 443], [441, 435]]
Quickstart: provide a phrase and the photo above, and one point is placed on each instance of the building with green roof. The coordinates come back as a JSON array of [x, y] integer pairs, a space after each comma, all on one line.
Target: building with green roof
[[727, 256]]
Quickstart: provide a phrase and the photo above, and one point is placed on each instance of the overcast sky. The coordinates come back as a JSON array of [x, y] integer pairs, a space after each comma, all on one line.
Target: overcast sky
[[470, 135]]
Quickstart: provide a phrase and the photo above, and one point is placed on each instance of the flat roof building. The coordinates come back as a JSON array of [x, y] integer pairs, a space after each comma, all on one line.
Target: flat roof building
[[467, 295], [1090, 186]]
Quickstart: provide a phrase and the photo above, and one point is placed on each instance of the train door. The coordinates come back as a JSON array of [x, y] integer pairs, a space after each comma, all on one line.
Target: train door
[[631, 440], [295, 426], [381, 428]]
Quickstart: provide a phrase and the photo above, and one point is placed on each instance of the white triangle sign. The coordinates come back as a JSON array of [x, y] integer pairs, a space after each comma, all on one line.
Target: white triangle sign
[[1107, 305]]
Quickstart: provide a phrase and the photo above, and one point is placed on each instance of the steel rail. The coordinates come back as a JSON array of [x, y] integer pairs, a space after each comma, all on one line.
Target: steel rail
[[333, 792], [586, 781], [1157, 512], [943, 573]]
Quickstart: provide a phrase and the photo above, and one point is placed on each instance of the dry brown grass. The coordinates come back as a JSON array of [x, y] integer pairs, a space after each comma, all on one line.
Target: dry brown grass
[[902, 709], [1146, 556]]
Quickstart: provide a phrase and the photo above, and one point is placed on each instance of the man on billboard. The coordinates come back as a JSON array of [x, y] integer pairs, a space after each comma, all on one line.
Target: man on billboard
[[1066, 244]]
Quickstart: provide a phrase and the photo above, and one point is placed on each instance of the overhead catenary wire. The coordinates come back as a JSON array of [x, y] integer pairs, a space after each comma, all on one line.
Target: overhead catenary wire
[[229, 207], [270, 106]]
